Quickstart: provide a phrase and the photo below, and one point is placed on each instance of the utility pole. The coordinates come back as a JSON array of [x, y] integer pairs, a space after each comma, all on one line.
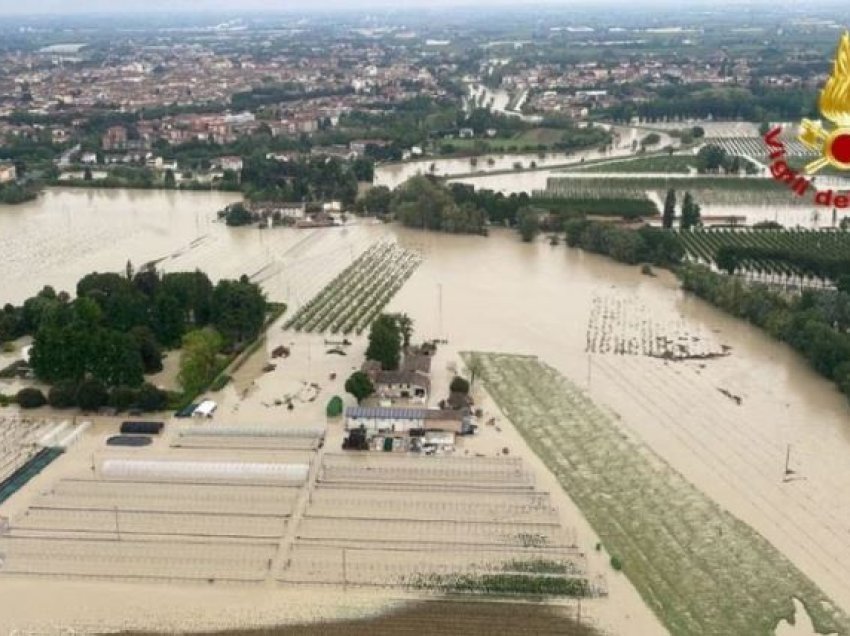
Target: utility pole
[[788, 472]]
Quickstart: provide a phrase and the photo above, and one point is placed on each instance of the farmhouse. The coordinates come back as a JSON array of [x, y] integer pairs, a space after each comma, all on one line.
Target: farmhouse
[[403, 420], [402, 385]]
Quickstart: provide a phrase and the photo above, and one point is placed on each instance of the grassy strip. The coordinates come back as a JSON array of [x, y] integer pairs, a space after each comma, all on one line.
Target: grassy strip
[[700, 569], [680, 164]]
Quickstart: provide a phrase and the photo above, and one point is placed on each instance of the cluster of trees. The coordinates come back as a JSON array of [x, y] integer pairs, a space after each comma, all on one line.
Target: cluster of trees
[[424, 203], [92, 394], [305, 179], [645, 245], [276, 93], [389, 335], [714, 159], [237, 215], [14, 193], [691, 213], [116, 328], [410, 123], [137, 177], [376, 202], [577, 138], [755, 103], [427, 203], [817, 323]]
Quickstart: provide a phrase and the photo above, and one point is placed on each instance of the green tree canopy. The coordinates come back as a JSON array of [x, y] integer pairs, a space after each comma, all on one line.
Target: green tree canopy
[[359, 385], [690, 213], [238, 309], [669, 209], [199, 358], [385, 340]]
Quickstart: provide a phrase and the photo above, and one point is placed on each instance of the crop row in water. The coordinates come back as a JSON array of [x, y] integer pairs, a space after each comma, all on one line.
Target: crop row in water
[[700, 569], [781, 252], [352, 300]]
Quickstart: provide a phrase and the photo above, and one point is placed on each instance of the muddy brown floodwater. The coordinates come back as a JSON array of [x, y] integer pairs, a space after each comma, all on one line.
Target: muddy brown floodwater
[[725, 423]]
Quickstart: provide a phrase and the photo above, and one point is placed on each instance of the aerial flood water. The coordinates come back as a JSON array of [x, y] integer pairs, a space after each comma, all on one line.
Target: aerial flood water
[[726, 422]]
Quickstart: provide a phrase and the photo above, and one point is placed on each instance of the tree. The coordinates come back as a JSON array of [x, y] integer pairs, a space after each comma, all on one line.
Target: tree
[[405, 327], [169, 180], [334, 407], [199, 359], [92, 395], [237, 214], [711, 159], [423, 203], [30, 398], [149, 349], [87, 174], [62, 395], [669, 210], [727, 259], [528, 220], [690, 213], [385, 342], [151, 398], [122, 397], [650, 140], [359, 385], [238, 309], [377, 201], [193, 291], [459, 385], [168, 318]]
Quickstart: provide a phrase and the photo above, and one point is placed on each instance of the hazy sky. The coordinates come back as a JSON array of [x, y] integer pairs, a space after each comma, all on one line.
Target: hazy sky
[[17, 7]]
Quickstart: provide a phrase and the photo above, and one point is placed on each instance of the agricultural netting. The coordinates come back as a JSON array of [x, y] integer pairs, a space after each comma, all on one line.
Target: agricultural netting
[[162, 469], [252, 431]]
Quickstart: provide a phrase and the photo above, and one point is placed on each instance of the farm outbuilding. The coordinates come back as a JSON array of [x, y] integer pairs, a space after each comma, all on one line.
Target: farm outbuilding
[[395, 420]]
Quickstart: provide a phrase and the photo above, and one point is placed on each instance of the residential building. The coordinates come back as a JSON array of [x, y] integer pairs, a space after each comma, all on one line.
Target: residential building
[[412, 386], [115, 138], [7, 173], [381, 420]]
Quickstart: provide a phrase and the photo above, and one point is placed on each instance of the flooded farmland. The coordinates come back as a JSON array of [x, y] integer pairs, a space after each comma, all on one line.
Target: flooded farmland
[[725, 424]]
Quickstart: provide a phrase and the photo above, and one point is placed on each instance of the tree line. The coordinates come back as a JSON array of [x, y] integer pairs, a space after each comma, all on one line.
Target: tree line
[[817, 323], [427, 203], [303, 179], [645, 245]]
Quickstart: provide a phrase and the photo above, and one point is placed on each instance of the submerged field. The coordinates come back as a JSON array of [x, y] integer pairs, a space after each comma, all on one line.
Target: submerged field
[[711, 190], [439, 617], [699, 568]]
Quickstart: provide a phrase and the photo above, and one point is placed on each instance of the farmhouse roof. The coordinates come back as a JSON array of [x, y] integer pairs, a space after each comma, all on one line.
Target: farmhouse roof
[[387, 413]]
